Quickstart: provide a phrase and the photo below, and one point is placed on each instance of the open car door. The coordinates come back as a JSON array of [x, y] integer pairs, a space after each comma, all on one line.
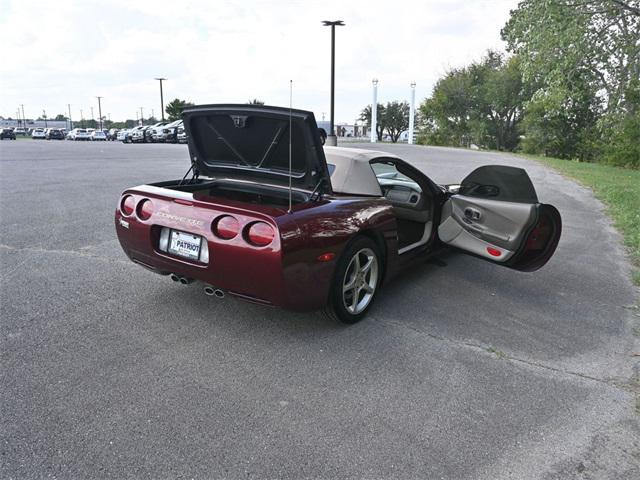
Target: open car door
[[496, 215]]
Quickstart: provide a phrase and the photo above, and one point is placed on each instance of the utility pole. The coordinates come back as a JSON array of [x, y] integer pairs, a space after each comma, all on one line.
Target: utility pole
[[331, 138], [70, 122], [141, 116], [412, 112], [44, 115], [24, 120], [161, 79], [100, 111], [81, 118], [374, 111]]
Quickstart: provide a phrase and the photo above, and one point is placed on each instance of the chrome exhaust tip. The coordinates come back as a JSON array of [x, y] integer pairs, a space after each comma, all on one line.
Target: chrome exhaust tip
[[185, 280], [175, 277], [213, 292]]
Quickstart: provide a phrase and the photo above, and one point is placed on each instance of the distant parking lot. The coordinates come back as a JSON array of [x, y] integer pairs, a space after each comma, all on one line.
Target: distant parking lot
[[462, 369]]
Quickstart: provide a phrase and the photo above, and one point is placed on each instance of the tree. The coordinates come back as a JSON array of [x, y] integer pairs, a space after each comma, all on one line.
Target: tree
[[576, 49], [60, 117], [365, 116], [396, 119], [482, 104], [255, 101], [174, 108]]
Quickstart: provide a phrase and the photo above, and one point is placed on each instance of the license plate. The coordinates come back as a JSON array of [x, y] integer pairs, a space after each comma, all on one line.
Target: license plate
[[185, 244]]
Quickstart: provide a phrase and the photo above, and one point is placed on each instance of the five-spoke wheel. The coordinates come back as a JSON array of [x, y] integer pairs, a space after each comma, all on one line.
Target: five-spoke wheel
[[356, 281]]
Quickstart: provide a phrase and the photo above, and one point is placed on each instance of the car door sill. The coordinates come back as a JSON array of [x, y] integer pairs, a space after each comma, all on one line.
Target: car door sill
[[425, 238]]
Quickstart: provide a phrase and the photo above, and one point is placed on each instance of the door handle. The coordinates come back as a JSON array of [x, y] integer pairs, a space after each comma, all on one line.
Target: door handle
[[472, 213]]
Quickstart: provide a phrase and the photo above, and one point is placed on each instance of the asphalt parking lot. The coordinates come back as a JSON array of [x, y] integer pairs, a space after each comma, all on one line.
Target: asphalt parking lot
[[463, 370]]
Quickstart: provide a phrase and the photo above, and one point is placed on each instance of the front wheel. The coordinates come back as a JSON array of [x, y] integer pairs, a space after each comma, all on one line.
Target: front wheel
[[356, 281]]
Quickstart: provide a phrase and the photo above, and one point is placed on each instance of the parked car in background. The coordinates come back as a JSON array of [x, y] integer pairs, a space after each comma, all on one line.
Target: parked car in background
[[20, 131], [170, 131], [181, 134], [38, 133], [157, 133], [7, 133], [98, 136], [54, 134], [112, 134], [137, 134], [78, 134], [124, 135]]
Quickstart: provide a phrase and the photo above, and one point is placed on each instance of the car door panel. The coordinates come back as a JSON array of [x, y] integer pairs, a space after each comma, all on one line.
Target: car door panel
[[484, 221]]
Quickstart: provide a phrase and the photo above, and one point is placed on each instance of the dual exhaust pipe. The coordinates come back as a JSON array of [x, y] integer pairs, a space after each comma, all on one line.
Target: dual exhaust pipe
[[182, 280], [208, 289]]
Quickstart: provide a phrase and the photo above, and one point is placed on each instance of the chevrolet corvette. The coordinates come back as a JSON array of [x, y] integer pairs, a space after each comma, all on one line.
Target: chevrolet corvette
[[267, 214]]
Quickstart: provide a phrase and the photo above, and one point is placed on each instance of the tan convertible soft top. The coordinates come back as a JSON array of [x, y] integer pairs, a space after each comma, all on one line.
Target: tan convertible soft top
[[351, 171]]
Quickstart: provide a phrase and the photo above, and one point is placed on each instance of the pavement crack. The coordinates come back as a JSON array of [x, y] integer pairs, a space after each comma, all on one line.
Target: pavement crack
[[629, 386]]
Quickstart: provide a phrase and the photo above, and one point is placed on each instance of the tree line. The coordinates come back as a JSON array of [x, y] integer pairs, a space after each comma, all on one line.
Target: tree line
[[569, 86]]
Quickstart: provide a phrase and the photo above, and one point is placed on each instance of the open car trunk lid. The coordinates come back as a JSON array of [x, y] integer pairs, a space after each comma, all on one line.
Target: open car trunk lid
[[253, 142]]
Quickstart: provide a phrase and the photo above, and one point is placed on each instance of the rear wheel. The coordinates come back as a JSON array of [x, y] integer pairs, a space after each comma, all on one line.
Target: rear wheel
[[356, 282]]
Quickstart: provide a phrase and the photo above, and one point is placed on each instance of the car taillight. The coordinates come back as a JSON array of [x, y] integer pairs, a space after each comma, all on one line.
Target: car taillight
[[226, 227], [145, 209], [260, 234], [127, 205]]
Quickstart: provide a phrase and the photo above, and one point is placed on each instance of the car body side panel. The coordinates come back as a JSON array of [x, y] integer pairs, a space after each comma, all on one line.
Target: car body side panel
[[328, 228]]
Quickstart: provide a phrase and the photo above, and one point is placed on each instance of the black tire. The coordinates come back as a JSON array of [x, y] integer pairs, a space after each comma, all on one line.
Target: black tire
[[336, 308]]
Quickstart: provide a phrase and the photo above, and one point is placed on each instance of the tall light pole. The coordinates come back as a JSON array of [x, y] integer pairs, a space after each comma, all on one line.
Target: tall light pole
[[81, 119], [44, 115], [141, 116], [374, 111], [70, 122], [161, 79], [331, 138], [24, 120], [412, 112], [100, 111]]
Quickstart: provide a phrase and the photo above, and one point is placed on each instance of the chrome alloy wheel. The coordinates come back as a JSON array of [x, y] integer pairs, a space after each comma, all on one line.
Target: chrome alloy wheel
[[360, 281]]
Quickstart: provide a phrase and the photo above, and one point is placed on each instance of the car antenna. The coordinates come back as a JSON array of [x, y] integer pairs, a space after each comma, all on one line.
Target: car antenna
[[290, 122]]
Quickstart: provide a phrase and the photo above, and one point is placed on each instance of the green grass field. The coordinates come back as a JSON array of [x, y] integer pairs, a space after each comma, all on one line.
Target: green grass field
[[619, 189]]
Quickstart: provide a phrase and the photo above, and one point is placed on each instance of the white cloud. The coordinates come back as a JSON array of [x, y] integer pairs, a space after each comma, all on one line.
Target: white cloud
[[62, 52]]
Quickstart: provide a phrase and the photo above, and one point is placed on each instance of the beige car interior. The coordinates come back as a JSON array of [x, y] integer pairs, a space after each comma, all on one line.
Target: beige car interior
[[412, 205]]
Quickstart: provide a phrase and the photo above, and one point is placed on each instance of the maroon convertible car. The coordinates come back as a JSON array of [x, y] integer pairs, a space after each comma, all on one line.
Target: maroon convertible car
[[269, 215]]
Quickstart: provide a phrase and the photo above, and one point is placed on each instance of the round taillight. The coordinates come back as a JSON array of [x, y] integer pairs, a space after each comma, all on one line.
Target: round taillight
[[226, 227], [145, 209], [127, 205], [260, 234]]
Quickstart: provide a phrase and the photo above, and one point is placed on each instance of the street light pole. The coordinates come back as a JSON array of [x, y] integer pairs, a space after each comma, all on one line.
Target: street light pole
[[24, 120], [44, 115], [141, 116], [374, 111], [331, 138], [70, 122], [412, 112], [161, 79], [100, 111], [81, 118]]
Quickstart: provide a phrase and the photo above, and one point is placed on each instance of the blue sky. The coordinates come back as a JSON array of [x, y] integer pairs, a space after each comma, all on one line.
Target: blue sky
[[61, 52]]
